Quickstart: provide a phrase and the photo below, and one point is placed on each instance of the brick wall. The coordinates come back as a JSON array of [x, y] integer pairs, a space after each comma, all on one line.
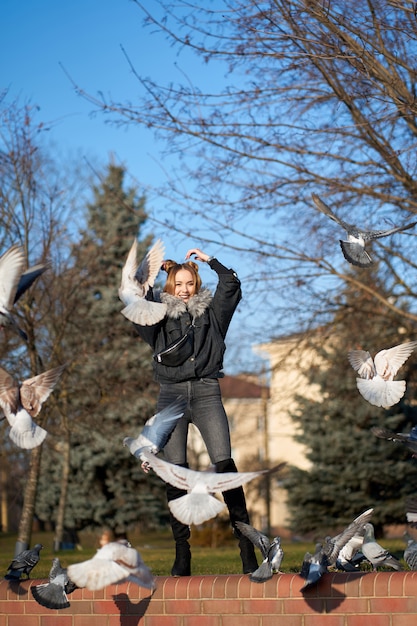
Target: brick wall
[[357, 599]]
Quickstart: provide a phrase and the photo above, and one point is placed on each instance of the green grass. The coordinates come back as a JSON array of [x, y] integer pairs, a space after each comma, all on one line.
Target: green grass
[[157, 550]]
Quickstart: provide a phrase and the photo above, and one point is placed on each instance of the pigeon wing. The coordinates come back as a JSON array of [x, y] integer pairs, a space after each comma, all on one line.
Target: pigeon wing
[[175, 475], [28, 278], [377, 234], [9, 393], [334, 545], [148, 270], [388, 362], [228, 480], [362, 362], [258, 539], [159, 427], [12, 263], [324, 208], [34, 391]]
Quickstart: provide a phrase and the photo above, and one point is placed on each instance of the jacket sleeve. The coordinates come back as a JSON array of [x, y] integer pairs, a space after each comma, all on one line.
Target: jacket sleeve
[[227, 295]]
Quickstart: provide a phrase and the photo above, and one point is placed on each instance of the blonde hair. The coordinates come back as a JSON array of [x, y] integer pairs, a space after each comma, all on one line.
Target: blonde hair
[[172, 268]]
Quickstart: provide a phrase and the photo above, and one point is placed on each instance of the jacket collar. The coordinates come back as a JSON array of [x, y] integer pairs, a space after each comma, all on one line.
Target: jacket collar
[[196, 306]]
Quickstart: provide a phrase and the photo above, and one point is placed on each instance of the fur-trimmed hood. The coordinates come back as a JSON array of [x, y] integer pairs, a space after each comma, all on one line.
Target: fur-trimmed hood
[[196, 306]]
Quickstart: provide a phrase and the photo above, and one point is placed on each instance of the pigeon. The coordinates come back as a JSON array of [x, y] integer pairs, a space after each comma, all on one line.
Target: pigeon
[[410, 552], [22, 402], [53, 594], [354, 248], [271, 551], [135, 283], [411, 511], [24, 563], [114, 563], [376, 382], [12, 263], [199, 505], [156, 430], [375, 553], [407, 439], [325, 555], [350, 556], [28, 278]]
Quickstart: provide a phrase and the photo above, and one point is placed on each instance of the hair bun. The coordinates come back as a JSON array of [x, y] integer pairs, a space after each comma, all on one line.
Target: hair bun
[[193, 265], [168, 265]]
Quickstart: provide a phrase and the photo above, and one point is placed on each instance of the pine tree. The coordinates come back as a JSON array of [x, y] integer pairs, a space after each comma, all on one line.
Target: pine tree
[[352, 470], [111, 391]]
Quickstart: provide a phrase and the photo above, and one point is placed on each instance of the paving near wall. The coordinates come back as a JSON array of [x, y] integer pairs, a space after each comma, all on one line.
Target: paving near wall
[[354, 599]]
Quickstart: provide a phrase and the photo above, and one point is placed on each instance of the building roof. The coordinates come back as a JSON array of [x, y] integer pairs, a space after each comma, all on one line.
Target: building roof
[[242, 386]]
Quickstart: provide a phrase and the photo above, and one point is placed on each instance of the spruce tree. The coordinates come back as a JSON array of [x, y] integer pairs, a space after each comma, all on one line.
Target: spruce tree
[[111, 391], [352, 470]]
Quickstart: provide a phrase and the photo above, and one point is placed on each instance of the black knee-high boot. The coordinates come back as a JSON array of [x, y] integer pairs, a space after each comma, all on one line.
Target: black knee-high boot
[[236, 503], [181, 533]]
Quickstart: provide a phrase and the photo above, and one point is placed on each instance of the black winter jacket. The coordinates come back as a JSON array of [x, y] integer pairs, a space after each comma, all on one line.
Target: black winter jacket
[[212, 315]]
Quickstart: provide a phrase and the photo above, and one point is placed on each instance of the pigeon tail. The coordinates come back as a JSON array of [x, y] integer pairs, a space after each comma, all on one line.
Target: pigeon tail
[[50, 595], [28, 439], [144, 312], [380, 392], [263, 573], [195, 508], [355, 254]]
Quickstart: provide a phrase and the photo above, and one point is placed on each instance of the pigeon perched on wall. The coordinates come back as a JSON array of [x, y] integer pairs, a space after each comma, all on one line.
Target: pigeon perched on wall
[[376, 382], [22, 402], [409, 440], [271, 551], [137, 279], [410, 552], [114, 563], [156, 430], [375, 553], [354, 248], [199, 505], [350, 556], [54, 594], [326, 554], [24, 563]]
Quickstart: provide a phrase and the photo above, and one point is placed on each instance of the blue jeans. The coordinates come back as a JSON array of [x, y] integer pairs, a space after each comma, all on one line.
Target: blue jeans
[[206, 411]]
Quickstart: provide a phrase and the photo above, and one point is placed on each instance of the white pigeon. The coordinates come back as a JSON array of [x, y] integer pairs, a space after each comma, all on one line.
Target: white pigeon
[[135, 283], [354, 248], [22, 402], [12, 264], [199, 505], [114, 563], [376, 382], [157, 429]]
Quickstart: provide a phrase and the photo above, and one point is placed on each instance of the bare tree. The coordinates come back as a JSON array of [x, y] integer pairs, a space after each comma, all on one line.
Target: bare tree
[[313, 97]]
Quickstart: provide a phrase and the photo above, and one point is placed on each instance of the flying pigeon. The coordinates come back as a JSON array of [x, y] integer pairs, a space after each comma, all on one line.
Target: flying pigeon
[[53, 594], [12, 264], [114, 563], [411, 511], [350, 556], [410, 552], [354, 248], [28, 278], [376, 382], [24, 563], [135, 283], [407, 439], [271, 551], [22, 402], [156, 430], [375, 553], [199, 505], [325, 555]]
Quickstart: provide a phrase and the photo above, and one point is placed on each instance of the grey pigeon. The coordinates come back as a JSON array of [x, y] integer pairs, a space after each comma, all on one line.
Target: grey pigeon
[[411, 511], [354, 248], [28, 278], [407, 439], [53, 594], [271, 551], [375, 553], [114, 563], [350, 556], [199, 504], [137, 279], [24, 563], [325, 555], [157, 429], [376, 383], [22, 402], [12, 264], [410, 552]]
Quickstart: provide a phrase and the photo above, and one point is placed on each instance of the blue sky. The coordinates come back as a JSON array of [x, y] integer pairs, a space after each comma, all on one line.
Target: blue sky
[[41, 38]]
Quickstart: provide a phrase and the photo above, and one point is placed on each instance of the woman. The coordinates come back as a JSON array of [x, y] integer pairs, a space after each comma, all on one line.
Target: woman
[[196, 378]]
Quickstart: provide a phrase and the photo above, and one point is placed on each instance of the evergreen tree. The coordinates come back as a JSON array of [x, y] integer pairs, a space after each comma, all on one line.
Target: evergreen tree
[[351, 470], [111, 391]]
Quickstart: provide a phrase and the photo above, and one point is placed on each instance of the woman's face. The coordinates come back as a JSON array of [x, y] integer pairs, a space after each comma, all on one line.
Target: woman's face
[[184, 285]]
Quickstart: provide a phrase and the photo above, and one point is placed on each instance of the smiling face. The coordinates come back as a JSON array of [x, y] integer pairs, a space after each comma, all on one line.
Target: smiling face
[[184, 285]]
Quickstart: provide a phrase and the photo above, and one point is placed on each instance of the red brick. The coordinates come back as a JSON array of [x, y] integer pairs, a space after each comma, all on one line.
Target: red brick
[[244, 588], [263, 606], [303, 606], [182, 607], [283, 620], [232, 605], [219, 587], [194, 586], [23, 620], [404, 620], [382, 580], [89, 620], [166, 620], [10, 607], [324, 620], [347, 605], [169, 585], [205, 620], [242, 620], [393, 605], [367, 620], [57, 620], [105, 607], [206, 587]]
